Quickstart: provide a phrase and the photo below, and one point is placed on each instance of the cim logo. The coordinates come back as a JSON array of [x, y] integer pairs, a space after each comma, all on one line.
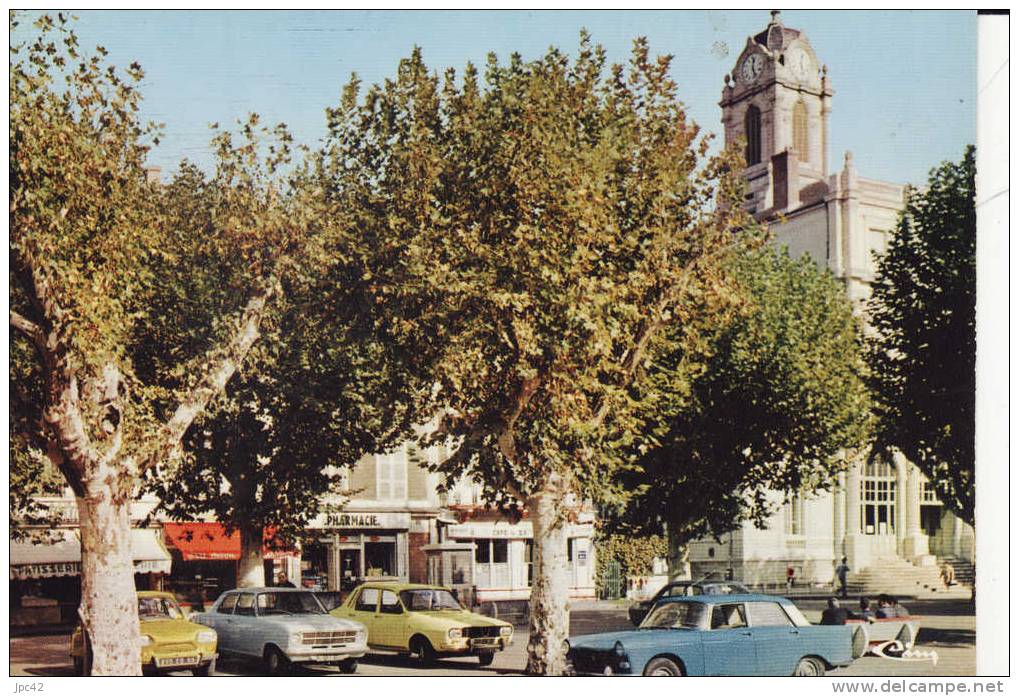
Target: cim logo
[[895, 650]]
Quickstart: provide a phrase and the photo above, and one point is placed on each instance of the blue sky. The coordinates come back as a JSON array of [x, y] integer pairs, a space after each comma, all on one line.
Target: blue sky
[[905, 82]]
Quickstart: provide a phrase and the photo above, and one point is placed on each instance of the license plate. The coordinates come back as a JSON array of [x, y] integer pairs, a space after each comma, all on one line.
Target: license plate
[[176, 661]]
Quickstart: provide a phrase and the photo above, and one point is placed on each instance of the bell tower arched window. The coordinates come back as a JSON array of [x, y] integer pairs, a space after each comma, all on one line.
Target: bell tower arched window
[[752, 131], [800, 129]]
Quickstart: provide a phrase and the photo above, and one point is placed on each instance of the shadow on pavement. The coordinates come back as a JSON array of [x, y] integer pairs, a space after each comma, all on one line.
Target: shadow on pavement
[[466, 665]]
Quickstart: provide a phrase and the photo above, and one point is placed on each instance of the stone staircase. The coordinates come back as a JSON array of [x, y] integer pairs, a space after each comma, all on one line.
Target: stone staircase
[[899, 577], [965, 573]]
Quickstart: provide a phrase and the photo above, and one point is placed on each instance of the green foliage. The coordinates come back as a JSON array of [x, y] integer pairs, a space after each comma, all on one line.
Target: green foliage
[[100, 259], [635, 554], [325, 385], [545, 221], [923, 351], [775, 408]]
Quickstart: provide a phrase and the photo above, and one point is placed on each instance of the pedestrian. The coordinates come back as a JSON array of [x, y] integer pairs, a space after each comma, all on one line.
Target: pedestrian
[[283, 581], [834, 615], [948, 574], [842, 573], [790, 577]]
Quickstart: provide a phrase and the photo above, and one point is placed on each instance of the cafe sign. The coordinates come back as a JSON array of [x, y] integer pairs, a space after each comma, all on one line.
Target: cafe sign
[[494, 531]]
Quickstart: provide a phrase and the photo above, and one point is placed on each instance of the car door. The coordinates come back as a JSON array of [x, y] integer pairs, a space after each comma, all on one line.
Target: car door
[[777, 640], [245, 638], [365, 610], [391, 621], [221, 620], [728, 643]]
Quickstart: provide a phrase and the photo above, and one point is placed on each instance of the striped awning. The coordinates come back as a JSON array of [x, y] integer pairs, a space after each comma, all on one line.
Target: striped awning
[[61, 555]]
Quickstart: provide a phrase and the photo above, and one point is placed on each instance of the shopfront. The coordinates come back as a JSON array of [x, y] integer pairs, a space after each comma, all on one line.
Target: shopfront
[[502, 568], [357, 546], [205, 560], [45, 582]]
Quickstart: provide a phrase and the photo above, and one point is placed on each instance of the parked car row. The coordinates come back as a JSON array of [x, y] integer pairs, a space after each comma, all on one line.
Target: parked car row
[[281, 627]]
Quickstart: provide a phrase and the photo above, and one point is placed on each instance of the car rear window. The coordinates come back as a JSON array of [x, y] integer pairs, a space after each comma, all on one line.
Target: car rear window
[[367, 600], [245, 604], [768, 614]]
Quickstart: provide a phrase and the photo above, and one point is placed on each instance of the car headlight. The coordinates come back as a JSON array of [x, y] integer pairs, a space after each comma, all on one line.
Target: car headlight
[[206, 637], [506, 631], [362, 635], [455, 633], [618, 649], [146, 640]]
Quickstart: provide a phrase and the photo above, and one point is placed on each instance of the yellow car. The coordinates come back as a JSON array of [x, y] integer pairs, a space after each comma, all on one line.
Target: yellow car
[[169, 641], [424, 621]]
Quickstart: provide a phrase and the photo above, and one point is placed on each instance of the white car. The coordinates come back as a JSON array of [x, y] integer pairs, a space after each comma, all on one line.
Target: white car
[[281, 626]]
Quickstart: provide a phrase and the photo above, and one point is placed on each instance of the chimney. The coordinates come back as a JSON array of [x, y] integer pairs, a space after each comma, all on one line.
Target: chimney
[[785, 180]]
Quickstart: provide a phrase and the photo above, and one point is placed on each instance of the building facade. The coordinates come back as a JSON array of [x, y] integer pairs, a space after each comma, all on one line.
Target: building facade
[[882, 515]]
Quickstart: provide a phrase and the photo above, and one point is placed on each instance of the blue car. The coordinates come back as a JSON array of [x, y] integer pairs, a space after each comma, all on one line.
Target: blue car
[[717, 635]]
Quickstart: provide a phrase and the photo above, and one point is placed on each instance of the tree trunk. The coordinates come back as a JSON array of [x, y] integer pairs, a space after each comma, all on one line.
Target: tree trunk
[[550, 616], [251, 570], [109, 608]]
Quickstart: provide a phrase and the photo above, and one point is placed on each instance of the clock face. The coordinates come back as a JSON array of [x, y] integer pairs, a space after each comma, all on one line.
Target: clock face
[[752, 67], [800, 63]]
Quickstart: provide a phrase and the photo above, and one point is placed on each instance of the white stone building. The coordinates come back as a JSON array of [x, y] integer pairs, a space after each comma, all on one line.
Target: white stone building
[[883, 516]]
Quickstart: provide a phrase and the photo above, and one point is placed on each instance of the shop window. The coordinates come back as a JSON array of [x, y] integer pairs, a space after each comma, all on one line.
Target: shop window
[[500, 551], [379, 558], [529, 560], [482, 551], [570, 544]]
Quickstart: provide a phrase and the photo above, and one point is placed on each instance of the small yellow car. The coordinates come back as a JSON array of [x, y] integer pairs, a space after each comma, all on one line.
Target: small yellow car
[[424, 621], [169, 641]]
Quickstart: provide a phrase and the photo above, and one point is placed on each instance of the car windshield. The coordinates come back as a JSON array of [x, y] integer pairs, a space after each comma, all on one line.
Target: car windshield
[[158, 608], [429, 600], [675, 615], [283, 603]]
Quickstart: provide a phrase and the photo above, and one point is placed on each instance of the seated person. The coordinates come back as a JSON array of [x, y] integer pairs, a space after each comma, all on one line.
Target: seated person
[[865, 613], [834, 615], [889, 608]]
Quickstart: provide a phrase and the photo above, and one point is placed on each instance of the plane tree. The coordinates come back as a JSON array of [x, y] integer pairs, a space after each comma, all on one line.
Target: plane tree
[[87, 235], [549, 220], [923, 349], [327, 383], [779, 408]]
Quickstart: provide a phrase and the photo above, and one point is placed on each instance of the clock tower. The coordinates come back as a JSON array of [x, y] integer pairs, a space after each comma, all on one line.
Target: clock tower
[[777, 101]]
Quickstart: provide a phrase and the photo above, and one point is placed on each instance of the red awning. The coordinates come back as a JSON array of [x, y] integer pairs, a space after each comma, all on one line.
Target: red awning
[[208, 541]]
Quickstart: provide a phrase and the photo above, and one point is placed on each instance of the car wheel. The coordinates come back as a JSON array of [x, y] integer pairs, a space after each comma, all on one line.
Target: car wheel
[[348, 666], [485, 659], [662, 667], [809, 667], [205, 670], [274, 661], [422, 650]]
